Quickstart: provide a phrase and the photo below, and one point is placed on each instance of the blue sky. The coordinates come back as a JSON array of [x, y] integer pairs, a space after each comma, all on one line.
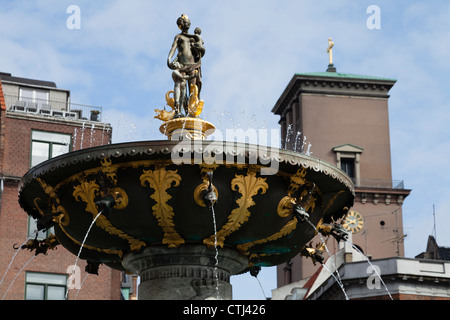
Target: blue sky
[[117, 60]]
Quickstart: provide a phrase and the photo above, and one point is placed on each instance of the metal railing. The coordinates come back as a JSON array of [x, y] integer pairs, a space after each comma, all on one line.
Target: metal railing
[[49, 108], [376, 183]]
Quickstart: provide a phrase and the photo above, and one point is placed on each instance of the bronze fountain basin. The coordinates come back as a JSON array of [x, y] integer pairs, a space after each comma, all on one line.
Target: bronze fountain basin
[[151, 193]]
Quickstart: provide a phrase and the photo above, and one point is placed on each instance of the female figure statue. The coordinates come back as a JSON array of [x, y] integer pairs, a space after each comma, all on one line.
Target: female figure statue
[[186, 65]]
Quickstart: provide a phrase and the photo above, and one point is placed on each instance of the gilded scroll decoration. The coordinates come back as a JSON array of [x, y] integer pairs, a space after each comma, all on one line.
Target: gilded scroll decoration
[[86, 246], [297, 180], [161, 180], [297, 192], [62, 218], [248, 186], [60, 215], [305, 197], [286, 230], [285, 206], [203, 187], [109, 170], [86, 192], [120, 198]]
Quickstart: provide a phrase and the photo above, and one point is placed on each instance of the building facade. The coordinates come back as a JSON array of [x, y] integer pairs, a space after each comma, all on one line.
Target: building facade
[[345, 120], [394, 278], [38, 121], [434, 251]]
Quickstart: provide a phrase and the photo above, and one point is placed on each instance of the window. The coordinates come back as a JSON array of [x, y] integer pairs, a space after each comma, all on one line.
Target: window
[[125, 293], [46, 145], [348, 166], [32, 228], [126, 287], [347, 159], [45, 286], [37, 96]]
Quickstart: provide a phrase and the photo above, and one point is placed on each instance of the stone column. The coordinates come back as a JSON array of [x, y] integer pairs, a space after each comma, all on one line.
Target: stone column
[[188, 272]]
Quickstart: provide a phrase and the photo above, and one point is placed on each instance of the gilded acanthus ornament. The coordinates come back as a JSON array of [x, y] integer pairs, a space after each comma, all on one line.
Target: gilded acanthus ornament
[[86, 192], [248, 186], [161, 180]]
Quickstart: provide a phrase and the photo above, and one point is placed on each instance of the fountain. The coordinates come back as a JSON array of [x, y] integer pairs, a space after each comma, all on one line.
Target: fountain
[[186, 214]]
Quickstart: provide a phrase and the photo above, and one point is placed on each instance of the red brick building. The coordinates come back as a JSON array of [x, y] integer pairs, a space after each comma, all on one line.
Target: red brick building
[[38, 121]]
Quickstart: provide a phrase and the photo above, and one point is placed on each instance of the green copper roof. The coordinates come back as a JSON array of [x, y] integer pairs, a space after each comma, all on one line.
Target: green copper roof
[[342, 75]]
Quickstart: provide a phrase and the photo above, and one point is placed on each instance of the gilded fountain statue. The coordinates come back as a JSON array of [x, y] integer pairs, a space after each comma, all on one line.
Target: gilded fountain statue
[[187, 77], [185, 213]]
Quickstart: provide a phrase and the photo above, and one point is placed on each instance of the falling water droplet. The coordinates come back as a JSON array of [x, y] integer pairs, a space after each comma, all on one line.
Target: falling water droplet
[[82, 136], [373, 268], [75, 131], [12, 260], [18, 273], [216, 257], [82, 245], [92, 135]]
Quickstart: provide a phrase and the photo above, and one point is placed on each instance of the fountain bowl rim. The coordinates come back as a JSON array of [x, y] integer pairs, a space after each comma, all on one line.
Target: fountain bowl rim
[[166, 147]]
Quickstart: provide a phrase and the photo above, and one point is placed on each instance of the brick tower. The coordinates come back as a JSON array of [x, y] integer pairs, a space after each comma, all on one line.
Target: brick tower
[[345, 118]]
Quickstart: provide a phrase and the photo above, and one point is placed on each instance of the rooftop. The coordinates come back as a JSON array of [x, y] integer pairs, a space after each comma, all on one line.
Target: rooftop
[[333, 83], [402, 276], [40, 83], [343, 75], [45, 104], [434, 251]]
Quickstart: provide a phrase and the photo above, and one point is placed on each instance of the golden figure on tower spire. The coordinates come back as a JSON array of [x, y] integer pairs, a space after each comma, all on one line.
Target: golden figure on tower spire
[[331, 67], [330, 50]]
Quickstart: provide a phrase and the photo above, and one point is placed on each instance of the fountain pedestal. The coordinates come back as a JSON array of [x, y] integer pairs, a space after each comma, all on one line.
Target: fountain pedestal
[[187, 128], [190, 272]]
